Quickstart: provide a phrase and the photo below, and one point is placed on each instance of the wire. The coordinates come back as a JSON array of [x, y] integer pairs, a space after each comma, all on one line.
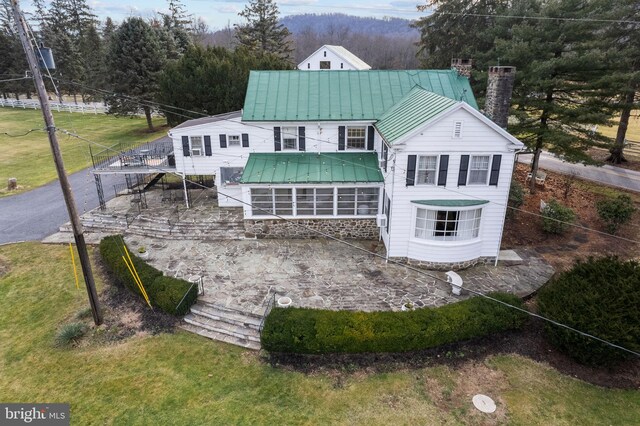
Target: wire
[[222, 118], [423, 8], [15, 79], [20, 135]]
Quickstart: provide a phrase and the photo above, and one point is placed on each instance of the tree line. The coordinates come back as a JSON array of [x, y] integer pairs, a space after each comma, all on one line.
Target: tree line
[[578, 65], [143, 65]]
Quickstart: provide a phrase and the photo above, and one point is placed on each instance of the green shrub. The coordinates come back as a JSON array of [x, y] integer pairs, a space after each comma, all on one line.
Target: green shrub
[[516, 198], [615, 211], [69, 334], [165, 293], [556, 218], [301, 330], [600, 297]]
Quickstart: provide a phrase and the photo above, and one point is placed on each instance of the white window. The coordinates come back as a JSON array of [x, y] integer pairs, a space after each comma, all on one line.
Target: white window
[[447, 225], [290, 138], [314, 201], [457, 129], [356, 137], [277, 201], [234, 140], [196, 145], [358, 201], [427, 168], [231, 175], [478, 170]]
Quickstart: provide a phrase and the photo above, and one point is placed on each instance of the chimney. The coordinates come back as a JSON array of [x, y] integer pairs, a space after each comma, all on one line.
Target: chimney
[[463, 66], [499, 89]]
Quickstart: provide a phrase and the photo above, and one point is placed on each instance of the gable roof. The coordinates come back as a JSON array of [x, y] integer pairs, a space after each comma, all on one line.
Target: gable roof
[[341, 52], [207, 120], [307, 167], [342, 95], [416, 108]]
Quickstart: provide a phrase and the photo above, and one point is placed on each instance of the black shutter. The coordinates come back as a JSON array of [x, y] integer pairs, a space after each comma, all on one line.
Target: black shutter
[[207, 145], [245, 140], [388, 213], [185, 146], [223, 141], [495, 170], [341, 132], [370, 138], [411, 170], [464, 168], [301, 140], [385, 155], [277, 144], [444, 167]]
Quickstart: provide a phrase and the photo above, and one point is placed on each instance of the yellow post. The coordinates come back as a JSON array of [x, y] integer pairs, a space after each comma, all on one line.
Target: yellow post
[[133, 266], [73, 262], [144, 293]]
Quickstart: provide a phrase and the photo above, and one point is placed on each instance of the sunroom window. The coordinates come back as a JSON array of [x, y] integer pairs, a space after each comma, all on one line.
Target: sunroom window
[[447, 225]]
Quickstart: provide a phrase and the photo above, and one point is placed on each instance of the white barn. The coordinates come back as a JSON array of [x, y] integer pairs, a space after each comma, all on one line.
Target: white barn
[[404, 156], [330, 57]]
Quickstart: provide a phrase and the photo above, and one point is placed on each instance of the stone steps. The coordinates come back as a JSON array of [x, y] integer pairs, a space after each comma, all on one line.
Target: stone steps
[[224, 324]]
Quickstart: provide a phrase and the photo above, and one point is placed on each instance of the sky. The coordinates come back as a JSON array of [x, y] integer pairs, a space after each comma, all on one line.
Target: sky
[[219, 14]]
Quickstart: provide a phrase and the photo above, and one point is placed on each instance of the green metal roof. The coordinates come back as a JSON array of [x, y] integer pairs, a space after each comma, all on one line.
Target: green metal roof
[[417, 107], [450, 203], [342, 95], [303, 167]]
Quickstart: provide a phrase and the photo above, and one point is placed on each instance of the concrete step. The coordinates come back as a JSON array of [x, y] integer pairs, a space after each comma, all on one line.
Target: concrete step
[[210, 305], [224, 328], [220, 337], [236, 318]]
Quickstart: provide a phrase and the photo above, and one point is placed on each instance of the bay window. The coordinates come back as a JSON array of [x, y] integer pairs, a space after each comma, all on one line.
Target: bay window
[[447, 225]]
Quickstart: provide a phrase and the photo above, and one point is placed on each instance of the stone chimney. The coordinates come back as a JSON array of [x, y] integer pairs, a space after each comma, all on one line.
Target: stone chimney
[[499, 89], [463, 66]]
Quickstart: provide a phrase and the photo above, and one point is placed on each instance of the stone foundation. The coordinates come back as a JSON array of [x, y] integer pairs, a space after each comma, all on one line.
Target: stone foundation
[[446, 266], [356, 229]]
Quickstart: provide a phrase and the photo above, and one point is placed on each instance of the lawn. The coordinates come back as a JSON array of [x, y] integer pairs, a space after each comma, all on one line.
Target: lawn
[[633, 131], [28, 158], [185, 379]]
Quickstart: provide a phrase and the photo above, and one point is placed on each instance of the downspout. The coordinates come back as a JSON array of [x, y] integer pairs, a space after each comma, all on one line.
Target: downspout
[[393, 186], [513, 166], [184, 183]]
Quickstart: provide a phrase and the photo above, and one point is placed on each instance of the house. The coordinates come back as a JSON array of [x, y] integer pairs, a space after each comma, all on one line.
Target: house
[[404, 156], [330, 57]]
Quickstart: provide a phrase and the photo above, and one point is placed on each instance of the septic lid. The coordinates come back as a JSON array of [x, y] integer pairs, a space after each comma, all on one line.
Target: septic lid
[[484, 403]]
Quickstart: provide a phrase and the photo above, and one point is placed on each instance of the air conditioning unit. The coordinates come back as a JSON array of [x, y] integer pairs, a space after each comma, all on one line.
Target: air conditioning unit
[[381, 221], [382, 163]]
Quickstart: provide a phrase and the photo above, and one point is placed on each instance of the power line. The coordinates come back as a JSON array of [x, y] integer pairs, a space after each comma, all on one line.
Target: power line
[[331, 237], [22, 134], [529, 17], [222, 118], [15, 79]]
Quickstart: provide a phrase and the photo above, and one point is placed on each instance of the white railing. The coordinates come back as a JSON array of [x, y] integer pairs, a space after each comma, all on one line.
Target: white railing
[[89, 108]]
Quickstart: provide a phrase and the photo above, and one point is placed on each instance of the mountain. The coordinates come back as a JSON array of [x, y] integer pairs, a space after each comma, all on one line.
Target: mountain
[[331, 22]]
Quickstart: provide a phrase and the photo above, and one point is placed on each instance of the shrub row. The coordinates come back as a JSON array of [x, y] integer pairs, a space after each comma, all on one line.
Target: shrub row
[[314, 331], [164, 292], [600, 297]]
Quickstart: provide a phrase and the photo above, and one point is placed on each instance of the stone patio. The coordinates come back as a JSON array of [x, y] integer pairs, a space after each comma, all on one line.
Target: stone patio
[[327, 274]]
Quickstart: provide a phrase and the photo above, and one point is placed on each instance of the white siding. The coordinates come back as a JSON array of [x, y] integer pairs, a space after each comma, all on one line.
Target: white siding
[[437, 139], [313, 62]]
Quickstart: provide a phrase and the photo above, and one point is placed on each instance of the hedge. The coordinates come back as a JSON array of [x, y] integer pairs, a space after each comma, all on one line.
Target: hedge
[[315, 331], [165, 293], [600, 297]]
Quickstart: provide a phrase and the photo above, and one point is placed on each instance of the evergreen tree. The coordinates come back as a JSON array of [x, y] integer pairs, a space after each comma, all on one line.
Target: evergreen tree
[[263, 33], [13, 63], [135, 59], [211, 80]]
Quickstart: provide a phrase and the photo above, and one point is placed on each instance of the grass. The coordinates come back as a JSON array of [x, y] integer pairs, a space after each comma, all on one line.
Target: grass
[[185, 379], [633, 131], [28, 158]]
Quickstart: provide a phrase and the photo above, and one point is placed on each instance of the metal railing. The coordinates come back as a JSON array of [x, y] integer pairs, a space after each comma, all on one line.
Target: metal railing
[[270, 303], [122, 156]]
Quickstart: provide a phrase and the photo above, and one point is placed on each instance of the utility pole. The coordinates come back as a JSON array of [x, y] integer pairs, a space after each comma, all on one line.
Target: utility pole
[[21, 26]]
